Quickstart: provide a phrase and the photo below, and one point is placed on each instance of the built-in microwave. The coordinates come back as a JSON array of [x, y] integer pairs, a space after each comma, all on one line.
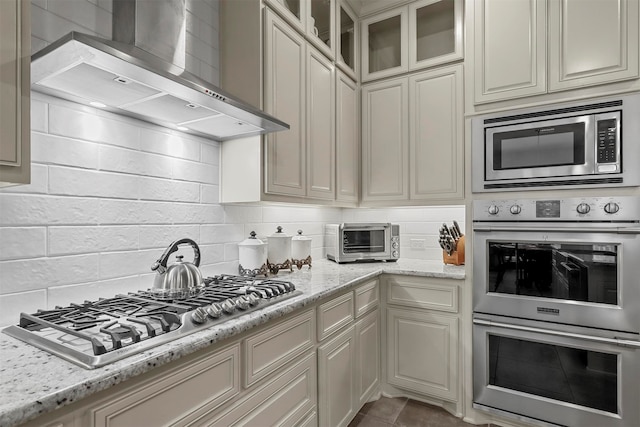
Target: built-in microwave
[[350, 242], [590, 144]]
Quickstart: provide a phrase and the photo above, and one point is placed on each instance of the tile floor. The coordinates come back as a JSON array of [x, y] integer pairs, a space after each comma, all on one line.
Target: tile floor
[[403, 412]]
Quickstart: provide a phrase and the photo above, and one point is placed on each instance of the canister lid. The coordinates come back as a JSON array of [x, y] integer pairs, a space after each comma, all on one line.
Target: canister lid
[[300, 236], [252, 240], [280, 234]]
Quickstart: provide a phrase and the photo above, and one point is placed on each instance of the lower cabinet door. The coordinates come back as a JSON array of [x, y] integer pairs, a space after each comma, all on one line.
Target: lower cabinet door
[[336, 369], [176, 396], [367, 357], [422, 352], [288, 400]]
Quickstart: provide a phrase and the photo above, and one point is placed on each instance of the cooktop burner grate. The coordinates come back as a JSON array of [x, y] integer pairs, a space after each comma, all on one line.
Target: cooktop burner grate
[[96, 333]]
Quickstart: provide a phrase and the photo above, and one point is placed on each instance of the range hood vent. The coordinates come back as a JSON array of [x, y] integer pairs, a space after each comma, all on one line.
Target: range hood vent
[[127, 80]]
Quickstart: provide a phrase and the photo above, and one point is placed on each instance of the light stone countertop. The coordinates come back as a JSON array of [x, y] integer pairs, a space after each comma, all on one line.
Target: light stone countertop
[[34, 382]]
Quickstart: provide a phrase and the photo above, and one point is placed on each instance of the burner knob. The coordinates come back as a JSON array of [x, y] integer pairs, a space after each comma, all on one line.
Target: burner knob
[[253, 299], [228, 306], [515, 209], [583, 208], [242, 302], [493, 210], [611, 208], [214, 310], [199, 316]]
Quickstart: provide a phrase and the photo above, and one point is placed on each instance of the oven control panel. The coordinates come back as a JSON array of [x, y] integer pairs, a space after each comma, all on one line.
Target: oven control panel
[[611, 209]]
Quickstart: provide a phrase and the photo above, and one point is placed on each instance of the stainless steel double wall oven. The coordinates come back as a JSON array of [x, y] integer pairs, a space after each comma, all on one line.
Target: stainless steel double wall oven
[[556, 323]]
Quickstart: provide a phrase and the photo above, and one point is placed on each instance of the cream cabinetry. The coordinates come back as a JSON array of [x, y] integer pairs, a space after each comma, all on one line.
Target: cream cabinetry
[[349, 355], [422, 345], [422, 34], [413, 138], [15, 57], [347, 139], [586, 44], [347, 39], [295, 81]]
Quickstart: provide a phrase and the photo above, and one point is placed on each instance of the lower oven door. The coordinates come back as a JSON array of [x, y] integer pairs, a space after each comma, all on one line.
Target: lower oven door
[[578, 276], [527, 371]]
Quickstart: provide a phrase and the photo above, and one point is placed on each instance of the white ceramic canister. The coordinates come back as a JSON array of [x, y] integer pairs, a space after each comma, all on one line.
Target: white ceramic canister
[[252, 254], [279, 251], [301, 250]]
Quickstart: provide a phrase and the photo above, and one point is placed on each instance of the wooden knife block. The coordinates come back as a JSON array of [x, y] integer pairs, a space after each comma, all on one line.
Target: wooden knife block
[[457, 256]]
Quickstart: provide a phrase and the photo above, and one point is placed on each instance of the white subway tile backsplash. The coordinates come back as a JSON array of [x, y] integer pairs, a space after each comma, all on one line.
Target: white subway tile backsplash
[[209, 193], [116, 159], [222, 233], [74, 123], [51, 149], [106, 5], [79, 240], [39, 182], [231, 251], [197, 172], [63, 295], [19, 209], [11, 305], [211, 254], [37, 273], [88, 14], [22, 242], [157, 236], [174, 145], [79, 182], [210, 153], [242, 214], [196, 214], [39, 116], [128, 263], [47, 26], [168, 190]]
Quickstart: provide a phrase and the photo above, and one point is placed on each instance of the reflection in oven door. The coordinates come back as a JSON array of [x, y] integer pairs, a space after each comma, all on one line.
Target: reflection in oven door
[[566, 377]]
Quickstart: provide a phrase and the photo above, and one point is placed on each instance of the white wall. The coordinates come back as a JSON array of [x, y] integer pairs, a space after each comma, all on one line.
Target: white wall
[[109, 193]]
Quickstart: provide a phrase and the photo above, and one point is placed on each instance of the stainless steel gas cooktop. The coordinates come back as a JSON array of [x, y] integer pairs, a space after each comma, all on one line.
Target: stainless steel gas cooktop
[[96, 333]]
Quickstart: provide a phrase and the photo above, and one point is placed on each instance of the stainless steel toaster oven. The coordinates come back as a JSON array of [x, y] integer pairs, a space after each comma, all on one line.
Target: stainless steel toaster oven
[[350, 242]]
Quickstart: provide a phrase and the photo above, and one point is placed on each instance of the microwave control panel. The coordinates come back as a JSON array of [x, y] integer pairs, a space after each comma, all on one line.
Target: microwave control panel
[[607, 141]]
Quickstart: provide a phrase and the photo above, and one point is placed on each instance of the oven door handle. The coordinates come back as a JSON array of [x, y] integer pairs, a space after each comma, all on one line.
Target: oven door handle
[[565, 229], [615, 341]]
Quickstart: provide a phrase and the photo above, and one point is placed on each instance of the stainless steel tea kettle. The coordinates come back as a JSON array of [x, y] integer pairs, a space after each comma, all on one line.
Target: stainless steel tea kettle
[[181, 279]]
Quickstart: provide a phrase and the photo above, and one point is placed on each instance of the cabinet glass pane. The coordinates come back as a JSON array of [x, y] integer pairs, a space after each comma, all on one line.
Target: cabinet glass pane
[[321, 20], [435, 27], [347, 39], [384, 44], [293, 6]]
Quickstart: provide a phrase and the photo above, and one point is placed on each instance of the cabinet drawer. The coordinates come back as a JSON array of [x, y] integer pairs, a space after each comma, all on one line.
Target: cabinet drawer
[[335, 314], [271, 349], [367, 296], [208, 382], [429, 293], [286, 401]]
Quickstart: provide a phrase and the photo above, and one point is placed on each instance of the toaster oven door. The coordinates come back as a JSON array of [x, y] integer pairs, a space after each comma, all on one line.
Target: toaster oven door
[[366, 241]]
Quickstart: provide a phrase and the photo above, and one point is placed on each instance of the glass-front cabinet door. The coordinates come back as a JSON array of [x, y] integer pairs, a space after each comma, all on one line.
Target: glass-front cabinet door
[[346, 39], [435, 32], [384, 44], [321, 25], [293, 11]]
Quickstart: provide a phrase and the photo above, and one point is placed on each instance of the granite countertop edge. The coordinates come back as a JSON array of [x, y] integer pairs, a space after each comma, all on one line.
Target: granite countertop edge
[[29, 392]]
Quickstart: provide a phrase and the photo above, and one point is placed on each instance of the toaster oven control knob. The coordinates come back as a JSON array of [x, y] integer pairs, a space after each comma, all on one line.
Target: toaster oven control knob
[[395, 254], [493, 210], [394, 245], [515, 209], [611, 208], [583, 208]]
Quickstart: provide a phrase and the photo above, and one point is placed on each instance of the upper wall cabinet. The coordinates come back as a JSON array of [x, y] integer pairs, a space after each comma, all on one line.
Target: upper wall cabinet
[[422, 34], [347, 41], [586, 43], [15, 57], [314, 18]]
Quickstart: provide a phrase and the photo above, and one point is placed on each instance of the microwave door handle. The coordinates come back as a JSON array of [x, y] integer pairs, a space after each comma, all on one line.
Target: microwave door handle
[[619, 230], [615, 341]]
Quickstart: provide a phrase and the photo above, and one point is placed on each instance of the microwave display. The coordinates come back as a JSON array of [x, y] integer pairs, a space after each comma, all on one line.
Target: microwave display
[[363, 241], [539, 147]]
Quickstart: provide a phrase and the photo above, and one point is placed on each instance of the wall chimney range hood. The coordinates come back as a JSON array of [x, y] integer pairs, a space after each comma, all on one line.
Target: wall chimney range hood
[[123, 77]]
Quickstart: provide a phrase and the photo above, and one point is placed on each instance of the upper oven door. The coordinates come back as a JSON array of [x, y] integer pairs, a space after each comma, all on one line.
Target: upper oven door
[[364, 241], [563, 274], [540, 149]]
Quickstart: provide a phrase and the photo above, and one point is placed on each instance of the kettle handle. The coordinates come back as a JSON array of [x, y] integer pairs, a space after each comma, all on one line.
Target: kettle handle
[[161, 263]]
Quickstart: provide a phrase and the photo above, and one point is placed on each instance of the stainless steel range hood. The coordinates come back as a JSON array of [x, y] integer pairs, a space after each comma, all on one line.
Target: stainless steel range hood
[[128, 80]]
